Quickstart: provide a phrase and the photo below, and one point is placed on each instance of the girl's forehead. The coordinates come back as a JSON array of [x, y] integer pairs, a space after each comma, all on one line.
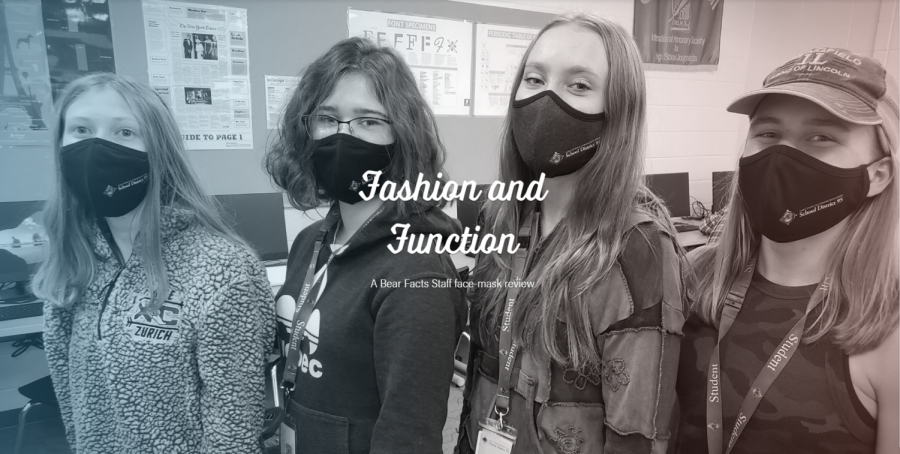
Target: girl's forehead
[[99, 103], [353, 94], [569, 45]]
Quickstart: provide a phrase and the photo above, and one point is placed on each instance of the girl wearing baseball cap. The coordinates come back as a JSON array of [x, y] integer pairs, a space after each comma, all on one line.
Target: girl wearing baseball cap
[[792, 344]]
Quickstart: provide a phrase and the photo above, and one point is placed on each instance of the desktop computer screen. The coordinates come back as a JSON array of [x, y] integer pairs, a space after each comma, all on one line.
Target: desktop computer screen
[[23, 245], [259, 219], [674, 189], [721, 185], [468, 211]]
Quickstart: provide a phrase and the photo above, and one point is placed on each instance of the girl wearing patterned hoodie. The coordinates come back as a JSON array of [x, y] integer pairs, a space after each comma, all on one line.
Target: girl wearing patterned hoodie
[[157, 316]]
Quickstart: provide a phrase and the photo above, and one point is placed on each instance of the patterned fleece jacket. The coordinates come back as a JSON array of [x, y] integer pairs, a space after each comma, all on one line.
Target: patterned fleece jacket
[[187, 379]]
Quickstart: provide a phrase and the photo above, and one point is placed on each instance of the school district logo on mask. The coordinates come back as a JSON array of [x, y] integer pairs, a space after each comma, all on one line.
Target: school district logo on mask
[[788, 217], [284, 308]]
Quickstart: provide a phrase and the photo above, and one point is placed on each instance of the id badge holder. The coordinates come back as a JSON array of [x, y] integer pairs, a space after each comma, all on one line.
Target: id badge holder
[[288, 437], [495, 437]]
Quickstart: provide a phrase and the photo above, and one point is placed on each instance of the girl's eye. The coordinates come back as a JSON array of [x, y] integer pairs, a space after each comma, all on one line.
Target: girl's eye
[[767, 135], [533, 80], [80, 130], [127, 133], [581, 86], [821, 138]]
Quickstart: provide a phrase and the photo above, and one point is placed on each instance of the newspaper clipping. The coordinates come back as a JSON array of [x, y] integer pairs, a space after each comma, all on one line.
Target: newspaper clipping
[[498, 52], [278, 92], [198, 62], [438, 51]]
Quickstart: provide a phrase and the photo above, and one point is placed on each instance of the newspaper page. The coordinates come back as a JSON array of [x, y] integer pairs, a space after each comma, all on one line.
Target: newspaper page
[[498, 53], [198, 62], [438, 51], [278, 92]]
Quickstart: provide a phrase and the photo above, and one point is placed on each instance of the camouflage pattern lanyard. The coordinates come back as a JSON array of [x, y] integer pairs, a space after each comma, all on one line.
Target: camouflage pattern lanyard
[[777, 362], [508, 347]]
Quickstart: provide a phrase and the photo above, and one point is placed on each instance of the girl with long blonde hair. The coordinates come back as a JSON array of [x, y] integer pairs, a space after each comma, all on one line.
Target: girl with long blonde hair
[[158, 318], [585, 359], [792, 345]]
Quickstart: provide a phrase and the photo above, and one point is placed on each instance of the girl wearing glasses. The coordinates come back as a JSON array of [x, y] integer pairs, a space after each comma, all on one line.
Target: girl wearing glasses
[[367, 336]]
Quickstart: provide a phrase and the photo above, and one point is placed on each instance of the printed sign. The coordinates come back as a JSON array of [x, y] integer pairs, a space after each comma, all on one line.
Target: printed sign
[[438, 51], [498, 53], [679, 32]]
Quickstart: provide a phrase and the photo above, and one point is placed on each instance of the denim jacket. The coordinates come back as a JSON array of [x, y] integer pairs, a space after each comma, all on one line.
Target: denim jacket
[[624, 404]]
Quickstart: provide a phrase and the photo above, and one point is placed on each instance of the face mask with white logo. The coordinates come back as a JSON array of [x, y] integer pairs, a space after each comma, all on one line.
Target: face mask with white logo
[[109, 178], [790, 195], [554, 137]]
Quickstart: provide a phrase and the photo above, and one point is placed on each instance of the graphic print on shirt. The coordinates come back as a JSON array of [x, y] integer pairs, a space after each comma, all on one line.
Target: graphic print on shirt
[[285, 307], [160, 327]]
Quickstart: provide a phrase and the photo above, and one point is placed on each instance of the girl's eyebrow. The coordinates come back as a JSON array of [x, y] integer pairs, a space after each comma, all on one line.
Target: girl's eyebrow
[[825, 122], [765, 121], [576, 69]]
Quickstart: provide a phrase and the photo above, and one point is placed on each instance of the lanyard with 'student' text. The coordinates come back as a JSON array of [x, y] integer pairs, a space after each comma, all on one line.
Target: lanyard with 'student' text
[[311, 285], [508, 346], [776, 363]]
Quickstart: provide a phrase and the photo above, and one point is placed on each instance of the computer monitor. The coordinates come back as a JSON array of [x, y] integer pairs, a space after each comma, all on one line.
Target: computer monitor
[[23, 245], [721, 185], [674, 189], [467, 210], [259, 219]]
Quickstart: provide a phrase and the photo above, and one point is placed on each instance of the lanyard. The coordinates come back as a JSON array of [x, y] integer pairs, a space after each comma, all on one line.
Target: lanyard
[[508, 346], [311, 285], [776, 363]]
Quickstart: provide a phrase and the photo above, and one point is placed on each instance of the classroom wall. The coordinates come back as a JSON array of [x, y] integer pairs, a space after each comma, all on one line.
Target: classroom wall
[[689, 130], [887, 37]]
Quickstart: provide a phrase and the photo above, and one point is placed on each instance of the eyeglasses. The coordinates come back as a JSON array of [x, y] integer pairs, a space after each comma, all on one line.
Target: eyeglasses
[[370, 129]]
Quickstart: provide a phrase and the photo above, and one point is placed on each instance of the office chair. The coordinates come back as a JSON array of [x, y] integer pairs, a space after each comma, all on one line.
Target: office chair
[[38, 392]]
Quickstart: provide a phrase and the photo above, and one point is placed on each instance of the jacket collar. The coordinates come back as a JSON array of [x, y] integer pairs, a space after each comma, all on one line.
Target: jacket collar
[[173, 220]]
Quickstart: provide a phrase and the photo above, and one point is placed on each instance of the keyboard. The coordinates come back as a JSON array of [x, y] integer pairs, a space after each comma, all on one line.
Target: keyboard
[[21, 310], [685, 227]]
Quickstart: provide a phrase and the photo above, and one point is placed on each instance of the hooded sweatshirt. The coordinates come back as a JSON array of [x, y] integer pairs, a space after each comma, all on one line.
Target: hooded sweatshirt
[[377, 357], [186, 379]]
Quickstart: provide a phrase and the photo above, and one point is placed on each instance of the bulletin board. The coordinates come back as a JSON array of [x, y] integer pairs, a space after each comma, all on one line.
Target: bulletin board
[[285, 36]]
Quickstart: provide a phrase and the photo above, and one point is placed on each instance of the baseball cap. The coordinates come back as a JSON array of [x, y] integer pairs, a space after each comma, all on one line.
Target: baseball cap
[[849, 85]]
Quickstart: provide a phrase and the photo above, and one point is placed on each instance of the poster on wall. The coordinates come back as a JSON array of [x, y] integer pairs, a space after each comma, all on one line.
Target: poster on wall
[[79, 40], [678, 32], [498, 52], [278, 92], [26, 100], [438, 51], [198, 61]]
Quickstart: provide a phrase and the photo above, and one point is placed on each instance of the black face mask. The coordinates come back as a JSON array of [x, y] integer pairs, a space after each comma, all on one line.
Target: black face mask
[[552, 136], [340, 160], [109, 178], [790, 195]]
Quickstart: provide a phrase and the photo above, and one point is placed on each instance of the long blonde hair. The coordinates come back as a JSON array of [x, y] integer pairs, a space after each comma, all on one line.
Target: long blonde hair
[[609, 190], [71, 264], [860, 308]]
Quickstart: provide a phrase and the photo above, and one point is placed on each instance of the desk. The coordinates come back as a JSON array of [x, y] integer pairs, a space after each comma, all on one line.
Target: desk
[[30, 325], [19, 326], [692, 239]]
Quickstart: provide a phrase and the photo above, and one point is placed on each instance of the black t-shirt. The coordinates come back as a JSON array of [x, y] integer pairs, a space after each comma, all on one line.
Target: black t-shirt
[[810, 408]]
